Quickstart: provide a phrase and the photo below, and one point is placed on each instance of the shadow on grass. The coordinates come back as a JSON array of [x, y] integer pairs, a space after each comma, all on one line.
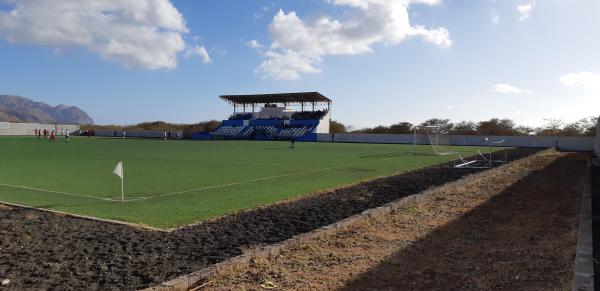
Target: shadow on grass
[[524, 238]]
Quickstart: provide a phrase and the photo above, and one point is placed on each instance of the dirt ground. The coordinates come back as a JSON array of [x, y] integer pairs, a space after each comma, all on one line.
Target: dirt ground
[[41, 250], [515, 228]]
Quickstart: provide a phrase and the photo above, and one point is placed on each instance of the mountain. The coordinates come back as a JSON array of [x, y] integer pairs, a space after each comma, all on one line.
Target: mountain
[[20, 109]]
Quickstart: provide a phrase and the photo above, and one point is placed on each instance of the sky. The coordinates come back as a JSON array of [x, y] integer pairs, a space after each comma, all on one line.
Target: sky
[[381, 61]]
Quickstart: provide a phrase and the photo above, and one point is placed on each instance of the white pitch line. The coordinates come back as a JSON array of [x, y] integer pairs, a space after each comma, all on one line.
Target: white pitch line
[[55, 192], [197, 189], [174, 157], [260, 179]]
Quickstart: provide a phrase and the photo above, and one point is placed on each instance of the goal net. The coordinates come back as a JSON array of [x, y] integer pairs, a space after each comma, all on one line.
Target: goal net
[[435, 137]]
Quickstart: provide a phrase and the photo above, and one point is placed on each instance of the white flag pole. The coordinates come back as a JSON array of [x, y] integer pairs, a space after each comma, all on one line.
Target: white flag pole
[[122, 183]]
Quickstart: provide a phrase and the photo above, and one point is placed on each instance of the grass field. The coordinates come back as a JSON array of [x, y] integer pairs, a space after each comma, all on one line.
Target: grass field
[[168, 184]]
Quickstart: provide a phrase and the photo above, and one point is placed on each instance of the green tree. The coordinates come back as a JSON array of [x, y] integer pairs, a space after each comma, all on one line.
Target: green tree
[[445, 125], [401, 128], [465, 128], [497, 126], [337, 127]]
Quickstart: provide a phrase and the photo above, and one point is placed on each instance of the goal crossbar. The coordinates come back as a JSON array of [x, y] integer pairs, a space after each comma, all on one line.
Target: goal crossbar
[[432, 133]]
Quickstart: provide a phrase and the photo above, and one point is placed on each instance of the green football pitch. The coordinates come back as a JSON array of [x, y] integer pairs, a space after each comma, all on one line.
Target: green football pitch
[[169, 184]]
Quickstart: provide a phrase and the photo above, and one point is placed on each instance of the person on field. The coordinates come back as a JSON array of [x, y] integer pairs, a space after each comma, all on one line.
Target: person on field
[[165, 135], [67, 135], [292, 142], [52, 136], [39, 133], [124, 134]]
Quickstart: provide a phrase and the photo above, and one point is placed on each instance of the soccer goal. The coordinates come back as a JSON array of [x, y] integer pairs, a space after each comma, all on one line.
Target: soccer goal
[[433, 135], [484, 161], [500, 156], [479, 161]]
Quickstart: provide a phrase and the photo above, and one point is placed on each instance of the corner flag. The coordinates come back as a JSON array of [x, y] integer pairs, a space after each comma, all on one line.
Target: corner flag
[[119, 172]]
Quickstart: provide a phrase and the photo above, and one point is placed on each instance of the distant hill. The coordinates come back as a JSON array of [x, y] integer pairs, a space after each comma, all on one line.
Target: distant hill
[[20, 109]]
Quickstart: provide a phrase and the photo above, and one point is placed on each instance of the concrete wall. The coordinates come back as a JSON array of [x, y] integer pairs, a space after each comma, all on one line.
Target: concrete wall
[[563, 143], [141, 134], [324, 123], [9, 128]]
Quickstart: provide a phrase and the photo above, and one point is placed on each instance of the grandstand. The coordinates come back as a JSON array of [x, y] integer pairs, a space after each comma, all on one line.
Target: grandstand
[[284, 116]]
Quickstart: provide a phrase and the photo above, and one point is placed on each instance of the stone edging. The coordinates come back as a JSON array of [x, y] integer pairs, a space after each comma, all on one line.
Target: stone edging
[[133, 225], [583, 273]]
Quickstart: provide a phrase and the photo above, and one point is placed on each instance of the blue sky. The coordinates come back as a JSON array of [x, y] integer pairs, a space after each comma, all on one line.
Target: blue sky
[[381, 61]]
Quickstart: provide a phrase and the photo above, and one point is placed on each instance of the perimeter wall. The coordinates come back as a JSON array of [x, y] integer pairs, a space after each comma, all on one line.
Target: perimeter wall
[[139, 134], [9, 128], [562, 142]]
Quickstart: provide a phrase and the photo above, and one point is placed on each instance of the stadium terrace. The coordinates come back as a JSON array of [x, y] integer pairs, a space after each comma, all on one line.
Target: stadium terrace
[[298, 116]]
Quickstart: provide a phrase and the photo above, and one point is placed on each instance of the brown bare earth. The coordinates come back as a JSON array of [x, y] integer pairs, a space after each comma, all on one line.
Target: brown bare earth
[[41, 250], [511, 228]]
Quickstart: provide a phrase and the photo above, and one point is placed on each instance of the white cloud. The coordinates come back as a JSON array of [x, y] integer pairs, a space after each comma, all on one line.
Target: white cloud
[[263, 9], [495, 18], [585, 80], [298, 45], [286, 66], [525, 10], [509, 89], [199, 51], [254, 44], [144, 34]]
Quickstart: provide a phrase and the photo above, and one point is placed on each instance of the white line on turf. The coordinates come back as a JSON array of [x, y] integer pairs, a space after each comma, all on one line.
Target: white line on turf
[[133, 199], [55, 192], [261, 179], [174, 157]]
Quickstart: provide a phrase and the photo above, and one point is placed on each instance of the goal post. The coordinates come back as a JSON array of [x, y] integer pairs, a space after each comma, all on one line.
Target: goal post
[[435, 137]]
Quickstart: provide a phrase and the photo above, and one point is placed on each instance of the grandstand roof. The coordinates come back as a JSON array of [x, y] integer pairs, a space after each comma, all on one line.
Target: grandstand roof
[[300, 97]]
